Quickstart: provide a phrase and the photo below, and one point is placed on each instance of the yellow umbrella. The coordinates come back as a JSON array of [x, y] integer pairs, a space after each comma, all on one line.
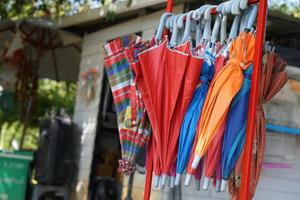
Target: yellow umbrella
[[222, 90]]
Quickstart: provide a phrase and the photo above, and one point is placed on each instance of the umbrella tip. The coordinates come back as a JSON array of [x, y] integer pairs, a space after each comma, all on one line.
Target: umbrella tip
[[196, 162], [172, 182], [198, 184], [169, 181], [223, 185], [218, 185], [188, 178], [206, 183], [177, 179], [163, 180], [156, 181]]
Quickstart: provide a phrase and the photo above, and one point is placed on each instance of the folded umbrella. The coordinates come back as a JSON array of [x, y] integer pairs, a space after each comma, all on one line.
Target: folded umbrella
[[213, 156], [189, 123], [221, 92], [134, 131], [166, 68], [235, 132], [274, 77]]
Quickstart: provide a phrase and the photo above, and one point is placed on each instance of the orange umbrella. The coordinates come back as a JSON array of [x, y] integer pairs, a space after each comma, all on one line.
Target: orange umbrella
[[273, 78], [221, 92], [212, 161]]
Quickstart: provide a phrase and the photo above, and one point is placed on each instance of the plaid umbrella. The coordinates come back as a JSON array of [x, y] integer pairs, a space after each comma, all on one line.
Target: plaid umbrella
[[134, 128], [221, 92], [273, 77]]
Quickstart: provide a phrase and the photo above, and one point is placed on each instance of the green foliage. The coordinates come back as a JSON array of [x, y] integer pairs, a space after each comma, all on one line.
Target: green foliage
[[52, 96], [289, 9], [52, 9], [15, 9]]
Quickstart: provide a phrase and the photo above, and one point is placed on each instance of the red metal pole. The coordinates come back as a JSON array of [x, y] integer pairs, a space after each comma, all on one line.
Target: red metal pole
[[149, 172], [254, 97]]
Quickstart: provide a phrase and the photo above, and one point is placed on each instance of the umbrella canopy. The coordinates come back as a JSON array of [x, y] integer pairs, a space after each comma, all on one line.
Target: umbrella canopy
[[221, 92], [59, 50], [234, 137], [189, 85], [274, 77], [189, 123], [166, 68], [134, 131]]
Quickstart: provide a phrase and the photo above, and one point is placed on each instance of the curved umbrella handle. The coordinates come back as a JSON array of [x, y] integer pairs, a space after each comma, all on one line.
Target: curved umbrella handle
[[227, 6], [252, 16], [197, 15], [207, 18], [235, 9], [244, 19], [174, 36], [199, 34], [216, 29], [243, 4], [234, 29], [161, 26], [169, 23], [187, 30], [223, 34]]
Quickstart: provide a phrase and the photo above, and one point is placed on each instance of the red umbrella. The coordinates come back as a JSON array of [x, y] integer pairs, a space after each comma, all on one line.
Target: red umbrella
[[186, 93], [213, 156], [163, 71]]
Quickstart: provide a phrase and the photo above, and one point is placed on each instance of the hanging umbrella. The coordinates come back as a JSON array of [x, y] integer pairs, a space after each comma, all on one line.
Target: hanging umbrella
[[214, 152], [134, 131], [221, 92], [186, 91], [213, 156], [165, 68], [273, 77], [234, 137], [188, 127]]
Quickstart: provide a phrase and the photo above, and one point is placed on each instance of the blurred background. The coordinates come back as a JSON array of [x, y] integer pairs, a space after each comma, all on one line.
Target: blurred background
[[58, 124]]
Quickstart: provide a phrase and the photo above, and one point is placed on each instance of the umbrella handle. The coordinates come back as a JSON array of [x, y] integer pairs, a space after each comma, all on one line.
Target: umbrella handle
[[223, 34], [161, 25], [216, 28], [243, 4], [187, 30], [234, 28], [253, 16]]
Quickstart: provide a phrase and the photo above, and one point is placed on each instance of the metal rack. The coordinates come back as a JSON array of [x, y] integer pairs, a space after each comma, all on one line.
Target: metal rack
[[254, 97]]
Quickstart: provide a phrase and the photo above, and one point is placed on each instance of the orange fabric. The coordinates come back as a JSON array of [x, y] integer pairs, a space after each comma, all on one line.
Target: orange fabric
[[223, 89]]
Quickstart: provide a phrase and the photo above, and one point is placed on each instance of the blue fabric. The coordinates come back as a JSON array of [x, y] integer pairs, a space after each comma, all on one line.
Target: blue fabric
[[234, 137], [283, 129], [191, 118]]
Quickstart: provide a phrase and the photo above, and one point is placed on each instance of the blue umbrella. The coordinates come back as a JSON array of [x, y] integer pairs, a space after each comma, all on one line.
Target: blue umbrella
[[190, 121], [234, 137]]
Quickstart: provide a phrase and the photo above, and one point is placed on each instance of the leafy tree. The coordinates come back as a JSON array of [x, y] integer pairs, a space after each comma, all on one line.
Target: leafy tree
[[287, 7], [52, 96], [20, 9]]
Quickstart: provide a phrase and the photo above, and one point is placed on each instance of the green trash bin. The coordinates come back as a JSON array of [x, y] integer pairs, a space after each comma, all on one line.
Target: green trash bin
[[14, 169]]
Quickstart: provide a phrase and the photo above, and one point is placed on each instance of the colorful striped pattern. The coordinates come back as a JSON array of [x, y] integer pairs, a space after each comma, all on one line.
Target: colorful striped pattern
[[133, 123]]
